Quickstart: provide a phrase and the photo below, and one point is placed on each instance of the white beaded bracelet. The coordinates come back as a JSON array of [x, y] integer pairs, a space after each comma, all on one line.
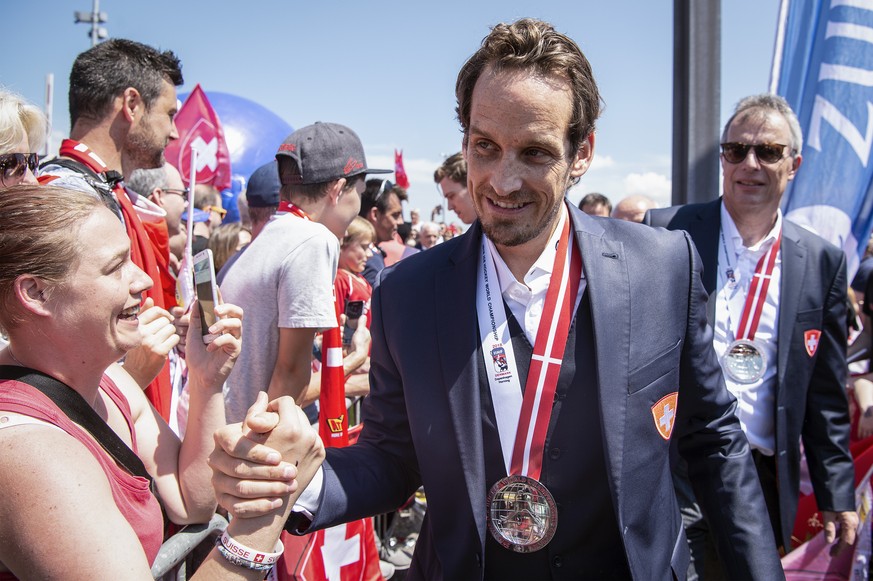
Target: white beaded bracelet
[[249, 554]]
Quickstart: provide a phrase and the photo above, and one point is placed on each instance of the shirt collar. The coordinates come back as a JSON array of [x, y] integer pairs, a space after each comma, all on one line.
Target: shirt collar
[[542, 266], [731, 233]]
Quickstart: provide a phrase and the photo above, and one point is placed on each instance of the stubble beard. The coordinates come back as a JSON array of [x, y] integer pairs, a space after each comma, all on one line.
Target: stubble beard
[[142, 149], [515, 233]]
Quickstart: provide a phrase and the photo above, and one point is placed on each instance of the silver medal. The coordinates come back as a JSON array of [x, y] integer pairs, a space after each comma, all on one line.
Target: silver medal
[[744, 361], [522, 515]]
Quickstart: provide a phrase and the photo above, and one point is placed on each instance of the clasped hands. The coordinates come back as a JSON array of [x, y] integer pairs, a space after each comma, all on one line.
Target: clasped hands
[[262, 464]]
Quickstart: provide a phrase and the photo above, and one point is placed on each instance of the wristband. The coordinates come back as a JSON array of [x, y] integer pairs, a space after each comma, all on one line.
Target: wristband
[[239, 561], [249, 554]]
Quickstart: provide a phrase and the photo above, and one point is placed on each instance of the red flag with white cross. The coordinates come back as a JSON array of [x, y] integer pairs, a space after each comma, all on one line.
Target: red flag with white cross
[[199, 128]]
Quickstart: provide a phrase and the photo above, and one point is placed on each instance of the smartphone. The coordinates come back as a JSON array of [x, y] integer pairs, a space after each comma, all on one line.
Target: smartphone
[[207, 293], [354, 311]]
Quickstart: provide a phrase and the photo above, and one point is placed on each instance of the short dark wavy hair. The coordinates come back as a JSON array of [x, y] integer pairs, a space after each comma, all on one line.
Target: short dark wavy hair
[[103, 72], [530, 44]]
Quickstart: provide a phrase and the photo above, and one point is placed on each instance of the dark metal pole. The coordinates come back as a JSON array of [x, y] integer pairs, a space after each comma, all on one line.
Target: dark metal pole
[[696, 99]]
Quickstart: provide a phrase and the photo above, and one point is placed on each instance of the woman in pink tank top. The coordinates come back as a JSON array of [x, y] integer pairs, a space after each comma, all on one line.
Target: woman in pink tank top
[[70, 303]]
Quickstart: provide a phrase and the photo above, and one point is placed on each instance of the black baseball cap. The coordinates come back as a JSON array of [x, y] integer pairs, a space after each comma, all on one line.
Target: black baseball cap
[[262, 190], [325, 152]]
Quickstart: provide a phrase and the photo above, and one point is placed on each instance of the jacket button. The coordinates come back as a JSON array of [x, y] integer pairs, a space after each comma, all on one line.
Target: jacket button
[[555, 453], [557, 561]]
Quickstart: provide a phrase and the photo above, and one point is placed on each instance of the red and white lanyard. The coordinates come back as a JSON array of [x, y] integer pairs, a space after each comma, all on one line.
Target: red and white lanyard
[[83, 154], [757, 295], [291, 208], [524, 421]]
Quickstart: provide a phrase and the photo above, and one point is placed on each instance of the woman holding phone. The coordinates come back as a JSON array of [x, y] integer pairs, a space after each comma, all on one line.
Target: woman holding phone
[[72, 506]]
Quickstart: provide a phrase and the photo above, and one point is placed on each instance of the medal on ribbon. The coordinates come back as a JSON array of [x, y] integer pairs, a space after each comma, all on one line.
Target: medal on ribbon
[[745, 361], [521, 512]]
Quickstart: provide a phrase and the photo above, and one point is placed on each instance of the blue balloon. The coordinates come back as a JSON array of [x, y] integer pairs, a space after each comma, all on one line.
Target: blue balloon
[[253, 135]]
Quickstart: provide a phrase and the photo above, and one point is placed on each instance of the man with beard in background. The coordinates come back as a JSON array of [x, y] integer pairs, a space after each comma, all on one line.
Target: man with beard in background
[[122, 103]]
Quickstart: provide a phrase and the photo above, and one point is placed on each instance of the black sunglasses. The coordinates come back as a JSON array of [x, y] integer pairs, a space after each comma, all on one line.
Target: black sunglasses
[[183, 192], [13, 166], [765, 152]]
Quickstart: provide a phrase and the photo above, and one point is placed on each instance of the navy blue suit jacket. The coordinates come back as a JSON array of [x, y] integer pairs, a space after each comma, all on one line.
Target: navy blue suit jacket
[[423, 425], [810, 394]]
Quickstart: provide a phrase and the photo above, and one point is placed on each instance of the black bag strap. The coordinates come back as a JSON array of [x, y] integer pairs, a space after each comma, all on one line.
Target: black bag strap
[[78, 410], [102, 183]]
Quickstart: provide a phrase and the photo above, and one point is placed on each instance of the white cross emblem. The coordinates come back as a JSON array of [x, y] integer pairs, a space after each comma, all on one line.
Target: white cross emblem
[[338, 551], [667, 418], [546, 360], [207, 153], [812, 343]]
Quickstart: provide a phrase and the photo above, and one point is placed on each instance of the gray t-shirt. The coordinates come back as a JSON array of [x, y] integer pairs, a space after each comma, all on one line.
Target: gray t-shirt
[[283, 279]]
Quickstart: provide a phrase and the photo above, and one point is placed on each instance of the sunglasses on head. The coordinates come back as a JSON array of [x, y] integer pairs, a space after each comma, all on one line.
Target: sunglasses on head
[[764, 152], [14, 165], [386, 186]]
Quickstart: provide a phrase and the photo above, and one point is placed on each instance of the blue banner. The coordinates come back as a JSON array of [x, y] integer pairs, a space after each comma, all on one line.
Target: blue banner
[[826, 74]]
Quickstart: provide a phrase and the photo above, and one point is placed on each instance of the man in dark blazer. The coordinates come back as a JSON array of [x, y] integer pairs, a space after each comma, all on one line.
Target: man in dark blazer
[[800, 393], [638, 372]]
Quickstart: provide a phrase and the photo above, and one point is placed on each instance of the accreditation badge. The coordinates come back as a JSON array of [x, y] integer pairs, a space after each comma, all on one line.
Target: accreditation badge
[[522, 515], [744, 361]]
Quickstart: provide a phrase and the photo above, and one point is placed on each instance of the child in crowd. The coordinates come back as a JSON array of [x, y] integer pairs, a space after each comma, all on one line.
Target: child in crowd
[[351, 289]]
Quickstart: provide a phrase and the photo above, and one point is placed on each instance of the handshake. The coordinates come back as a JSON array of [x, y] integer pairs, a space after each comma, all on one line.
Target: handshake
[[261, 466]]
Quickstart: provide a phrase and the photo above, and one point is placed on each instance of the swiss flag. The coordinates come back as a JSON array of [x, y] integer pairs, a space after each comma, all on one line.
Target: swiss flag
[[342, 553], [199, 127], [399, 172]]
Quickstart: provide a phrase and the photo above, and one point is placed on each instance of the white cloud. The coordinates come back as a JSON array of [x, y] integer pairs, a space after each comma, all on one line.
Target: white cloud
[[617, 178], [601, 162], [652, 184]]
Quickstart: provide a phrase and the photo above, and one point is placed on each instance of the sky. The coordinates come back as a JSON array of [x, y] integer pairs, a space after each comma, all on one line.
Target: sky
[[387, 69]]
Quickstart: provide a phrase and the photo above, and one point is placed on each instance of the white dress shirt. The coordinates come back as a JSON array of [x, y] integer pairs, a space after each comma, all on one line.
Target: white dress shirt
[[526, 299], [755, 401]]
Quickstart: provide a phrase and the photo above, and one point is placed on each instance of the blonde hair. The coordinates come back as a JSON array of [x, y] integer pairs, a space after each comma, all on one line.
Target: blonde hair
[[359, 228], [224, 241], [20, 119]]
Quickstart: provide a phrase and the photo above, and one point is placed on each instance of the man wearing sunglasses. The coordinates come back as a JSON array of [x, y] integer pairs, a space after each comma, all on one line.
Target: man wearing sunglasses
[[777, 306]]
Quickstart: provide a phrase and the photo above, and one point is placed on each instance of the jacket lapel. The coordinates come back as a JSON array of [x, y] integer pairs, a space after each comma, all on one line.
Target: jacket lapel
[[458, 336], [608, 288], [704, 230], [793, 272]]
